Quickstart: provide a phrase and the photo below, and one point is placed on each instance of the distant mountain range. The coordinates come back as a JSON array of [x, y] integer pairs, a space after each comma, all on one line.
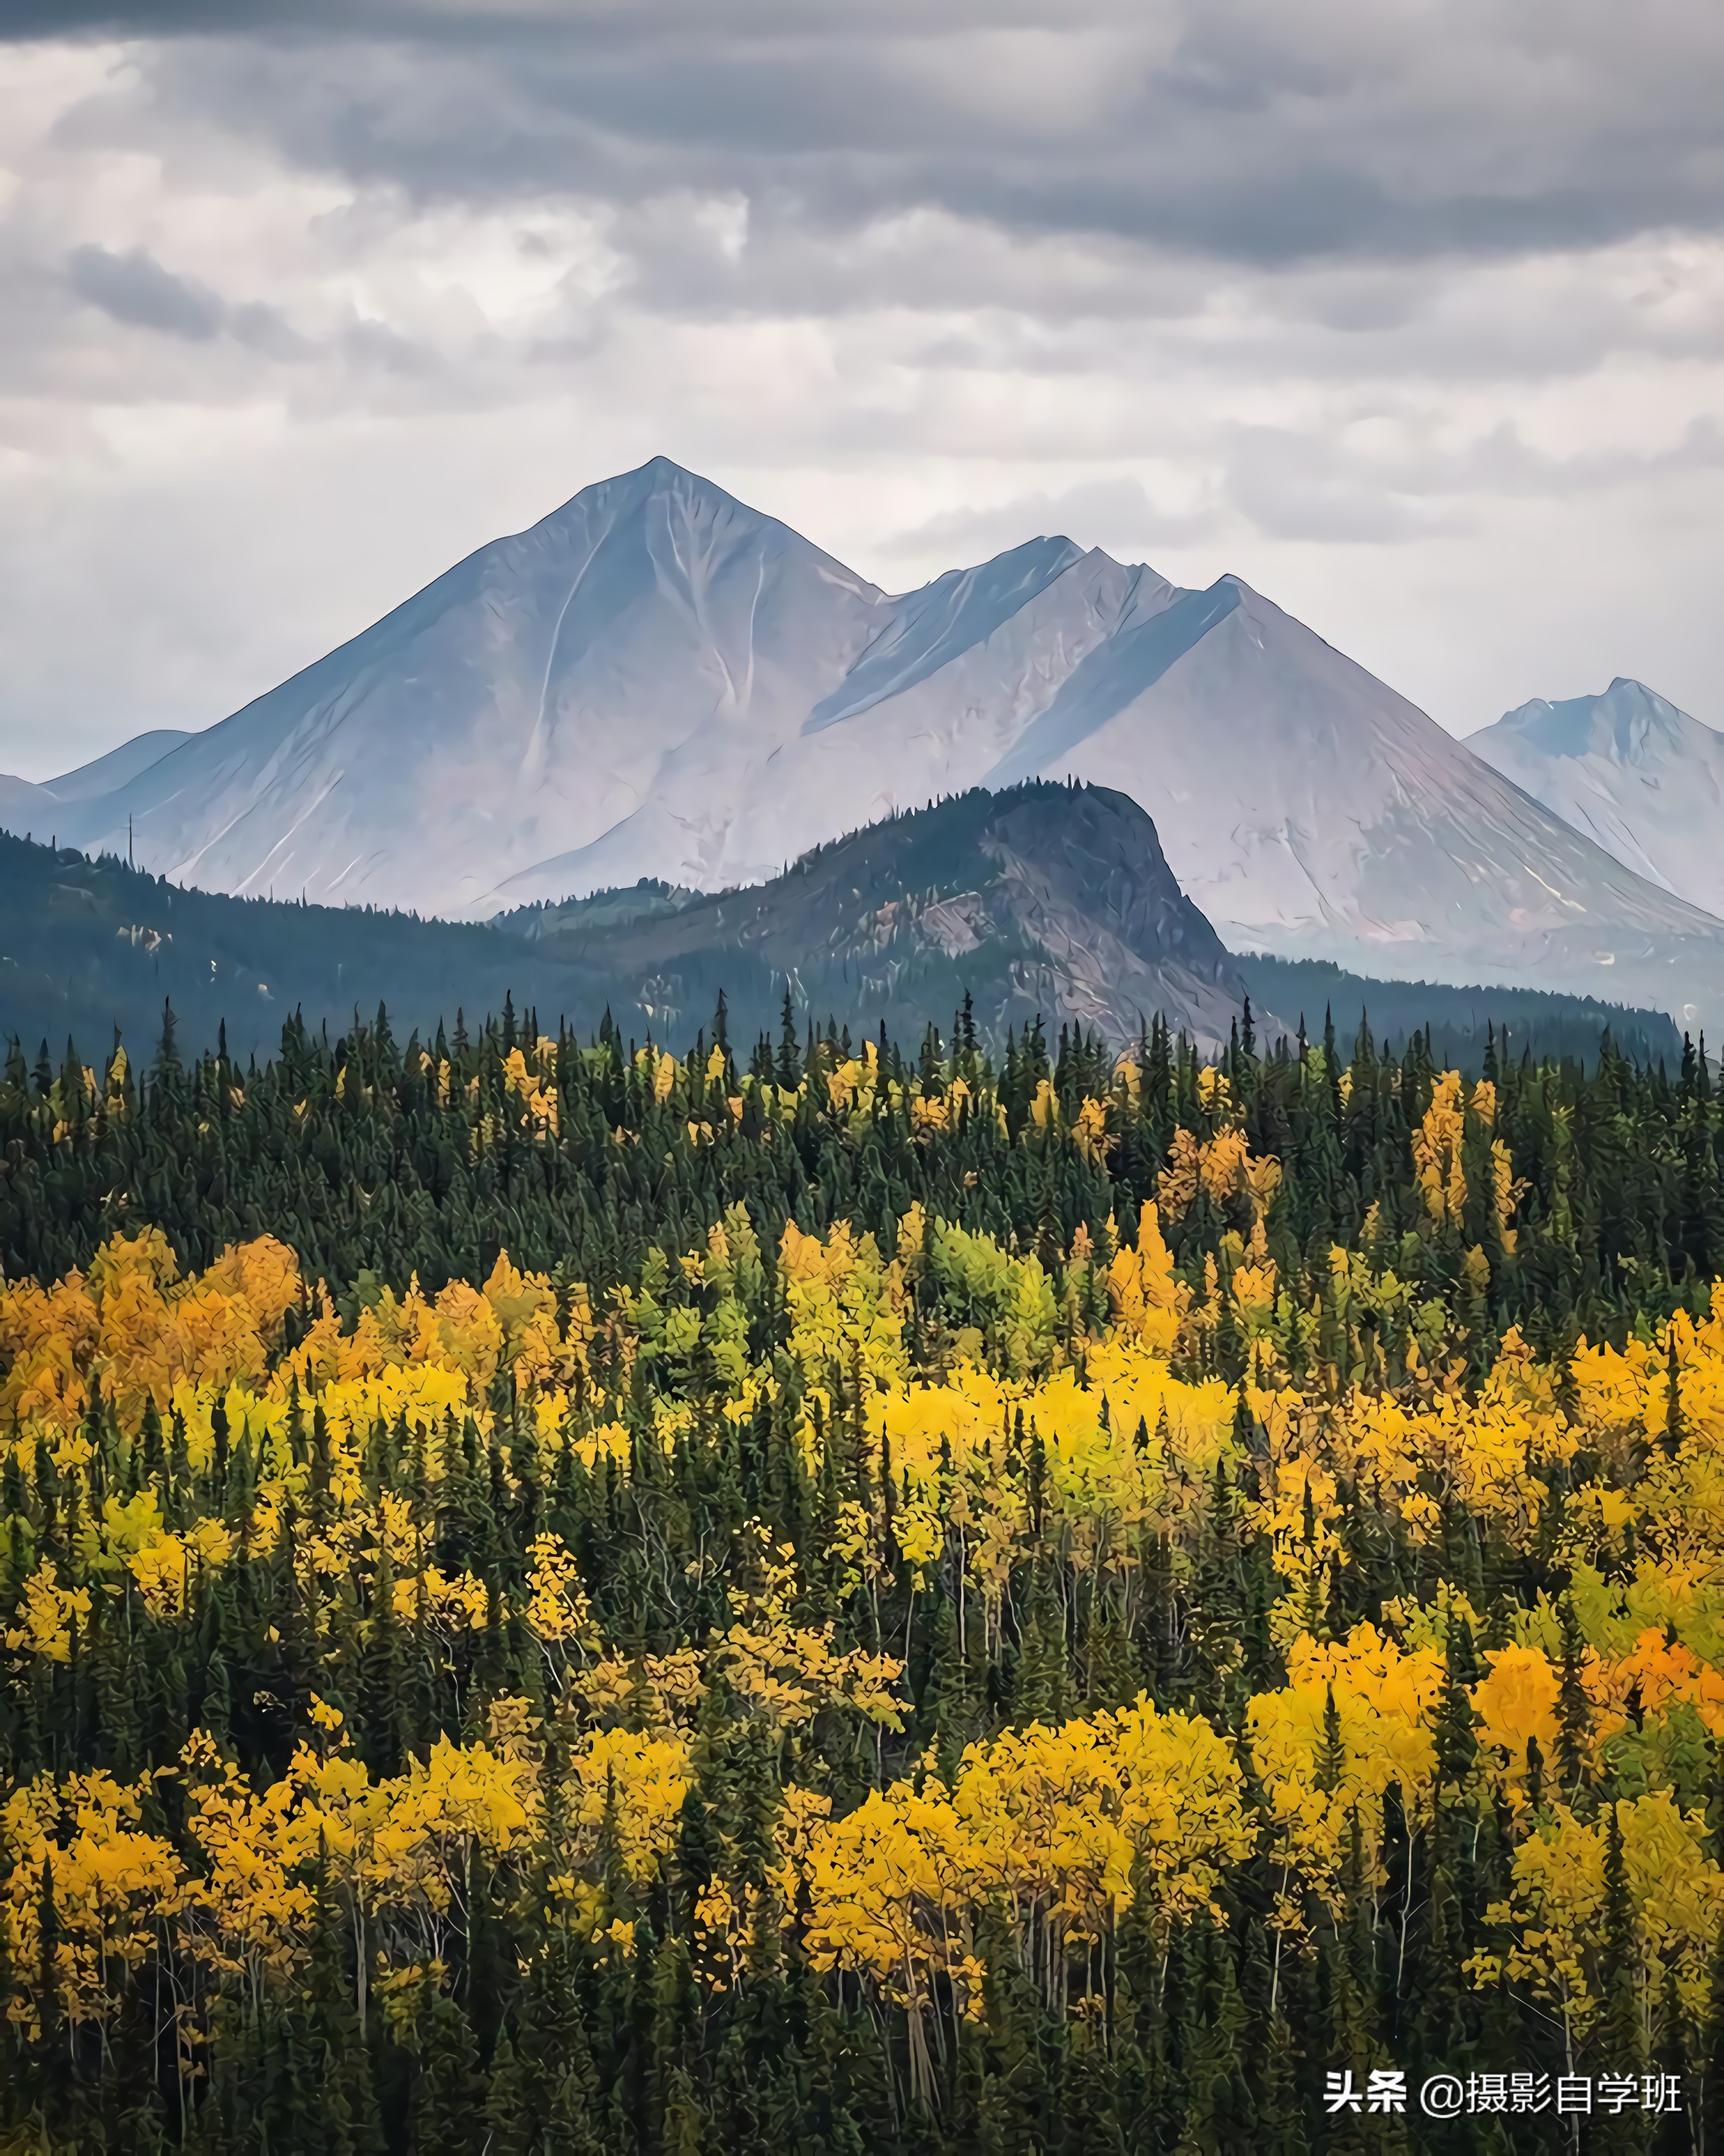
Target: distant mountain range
[[21, 802], [1643, 779], [658, 681]]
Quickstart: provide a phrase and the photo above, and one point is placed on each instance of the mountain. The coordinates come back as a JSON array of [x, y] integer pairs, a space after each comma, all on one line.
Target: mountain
[[1047, 901], [615, 673], [656, 680], [26, 807], [1631, 771]]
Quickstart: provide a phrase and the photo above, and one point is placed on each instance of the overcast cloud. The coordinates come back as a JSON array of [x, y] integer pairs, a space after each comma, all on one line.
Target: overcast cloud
[[1410, 312]]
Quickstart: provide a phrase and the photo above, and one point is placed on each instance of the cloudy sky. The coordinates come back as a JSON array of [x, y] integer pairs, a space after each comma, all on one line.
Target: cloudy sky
[[1410, 312]]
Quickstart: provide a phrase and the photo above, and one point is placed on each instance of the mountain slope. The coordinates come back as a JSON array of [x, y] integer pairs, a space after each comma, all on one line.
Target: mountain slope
[[658, 681], [1631, 771], [1311, 812], [1046, 901]]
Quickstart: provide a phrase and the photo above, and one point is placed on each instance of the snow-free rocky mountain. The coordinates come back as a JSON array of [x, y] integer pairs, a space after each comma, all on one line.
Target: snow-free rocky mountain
[[656, 680], [1043, 900], [1632, 772]]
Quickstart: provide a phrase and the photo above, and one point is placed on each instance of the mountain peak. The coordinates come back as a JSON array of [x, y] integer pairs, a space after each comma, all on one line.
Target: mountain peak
[[663, 474], [1622, 723], [660, 478], [1630, 770]]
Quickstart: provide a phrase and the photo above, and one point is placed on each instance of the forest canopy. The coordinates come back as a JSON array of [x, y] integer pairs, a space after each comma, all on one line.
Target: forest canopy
[[558, 1597]]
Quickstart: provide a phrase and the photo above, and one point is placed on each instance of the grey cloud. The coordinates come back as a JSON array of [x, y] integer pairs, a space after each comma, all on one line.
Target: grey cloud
[[1503, 463], [264, 329], [1290, 500], [460, 21], [1311, 485], [1240, 130], [135, 289]]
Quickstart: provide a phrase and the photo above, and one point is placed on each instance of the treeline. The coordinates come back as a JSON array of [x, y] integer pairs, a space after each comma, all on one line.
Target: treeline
[[1461, 1026]]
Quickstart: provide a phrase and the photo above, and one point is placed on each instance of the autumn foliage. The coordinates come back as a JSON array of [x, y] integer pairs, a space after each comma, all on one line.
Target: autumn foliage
[[854, 1684]]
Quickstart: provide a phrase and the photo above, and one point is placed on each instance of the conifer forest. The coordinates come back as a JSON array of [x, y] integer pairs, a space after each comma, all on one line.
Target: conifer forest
[[839, 1599]]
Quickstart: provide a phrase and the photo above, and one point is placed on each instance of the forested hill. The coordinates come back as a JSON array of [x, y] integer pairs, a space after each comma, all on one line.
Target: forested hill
[[1045, 900], [89, 946]]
